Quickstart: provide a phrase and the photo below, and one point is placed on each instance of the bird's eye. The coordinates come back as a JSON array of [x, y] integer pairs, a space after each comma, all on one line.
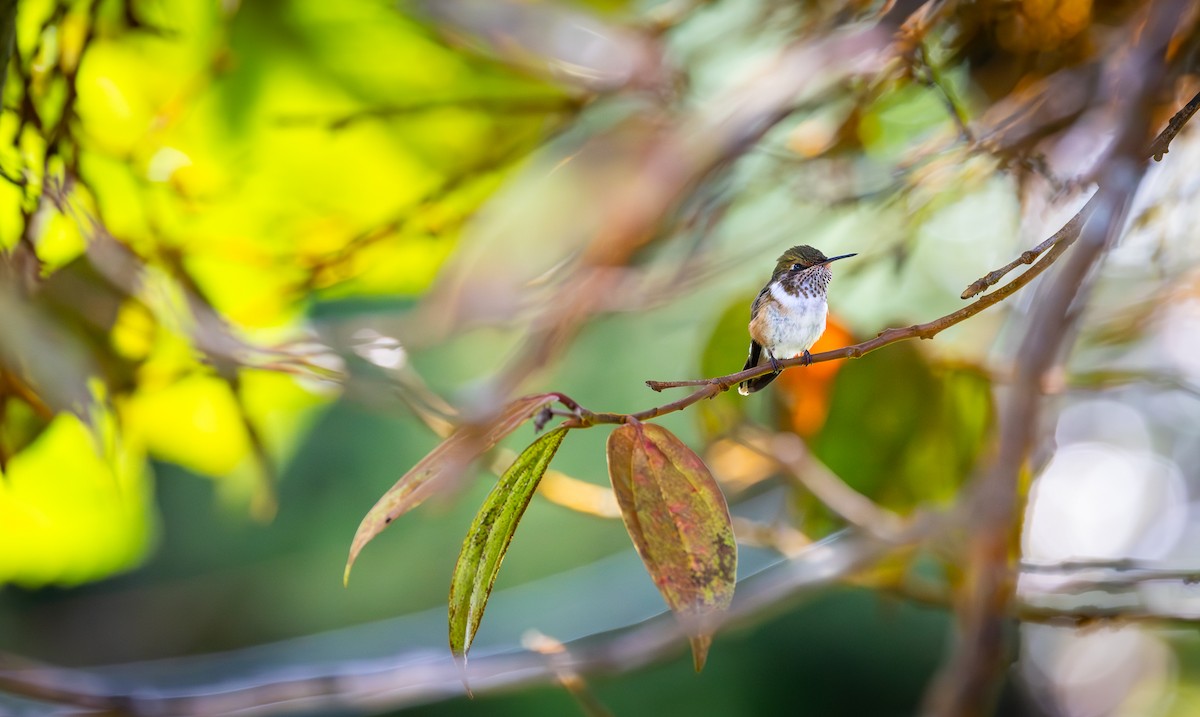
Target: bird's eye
[[795, 266]]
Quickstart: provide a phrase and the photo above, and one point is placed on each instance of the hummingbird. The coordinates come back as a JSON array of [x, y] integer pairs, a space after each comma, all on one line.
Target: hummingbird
[[788, 316]]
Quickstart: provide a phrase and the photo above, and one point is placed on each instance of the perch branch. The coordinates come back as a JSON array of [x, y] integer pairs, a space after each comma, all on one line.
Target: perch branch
[[713, 386], [1040, 257]]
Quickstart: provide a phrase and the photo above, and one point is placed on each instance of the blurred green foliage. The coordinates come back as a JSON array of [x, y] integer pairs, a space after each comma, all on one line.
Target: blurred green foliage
[[925, 426]]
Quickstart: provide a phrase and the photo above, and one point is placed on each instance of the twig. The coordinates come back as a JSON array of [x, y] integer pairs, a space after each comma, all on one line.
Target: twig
[[685, 151], [1028, 608], [1158, 148], [966, 683], [933, 78], [713, 386], [1069, 231], [406, 679], [1109, 572], [1162, 143], [779, 536], [558, 659], [790, 453], [495, 105]]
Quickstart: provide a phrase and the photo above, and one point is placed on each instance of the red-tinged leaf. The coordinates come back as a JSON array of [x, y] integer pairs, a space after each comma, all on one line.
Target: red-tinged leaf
[[491, 532], [679, 523], [443, 464]]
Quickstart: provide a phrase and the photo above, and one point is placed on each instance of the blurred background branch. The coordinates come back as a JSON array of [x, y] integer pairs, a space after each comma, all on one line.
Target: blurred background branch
[[405, 679]]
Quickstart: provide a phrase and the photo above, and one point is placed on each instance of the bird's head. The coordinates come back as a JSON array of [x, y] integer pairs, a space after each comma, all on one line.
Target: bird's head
[[803, 257]]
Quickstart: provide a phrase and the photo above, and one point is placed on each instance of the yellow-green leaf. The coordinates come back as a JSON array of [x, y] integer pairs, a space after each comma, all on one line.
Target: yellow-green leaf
[[679, 522], [443, 463], [491, 532]]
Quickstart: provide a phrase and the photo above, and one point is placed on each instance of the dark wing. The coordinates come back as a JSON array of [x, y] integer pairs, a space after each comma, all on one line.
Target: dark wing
[[756, 384], [756, 350], [755, 355], [751, 362], [758, 301], [749, 386]]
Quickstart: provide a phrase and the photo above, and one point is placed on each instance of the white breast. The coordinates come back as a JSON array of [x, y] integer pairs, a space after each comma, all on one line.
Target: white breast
[[795, 323]]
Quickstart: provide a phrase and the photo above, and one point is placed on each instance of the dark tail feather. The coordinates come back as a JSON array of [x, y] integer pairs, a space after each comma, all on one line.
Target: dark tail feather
[[755, 384], [759, 383]]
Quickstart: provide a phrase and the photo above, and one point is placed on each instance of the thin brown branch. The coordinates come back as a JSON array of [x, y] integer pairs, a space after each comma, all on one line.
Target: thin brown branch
[[1069, 231], [1162, 143], [713, 386], [1158, 148]]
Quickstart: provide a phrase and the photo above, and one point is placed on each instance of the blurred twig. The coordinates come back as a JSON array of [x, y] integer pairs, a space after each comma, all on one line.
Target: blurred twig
[[779, 536], [500, 105], [931, 75], [558, 659], [966, 682], [855, 508], [684, 152], [1088, 575], [407, 679], [1158, 148]]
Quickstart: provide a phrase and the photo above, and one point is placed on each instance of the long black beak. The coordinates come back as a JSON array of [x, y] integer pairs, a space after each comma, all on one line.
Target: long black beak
[[835, 258]]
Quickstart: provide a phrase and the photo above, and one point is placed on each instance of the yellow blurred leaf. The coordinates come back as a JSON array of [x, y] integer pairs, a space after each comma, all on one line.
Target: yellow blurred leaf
[[579, 495], [194, 422], [70, 513], [60, 241]]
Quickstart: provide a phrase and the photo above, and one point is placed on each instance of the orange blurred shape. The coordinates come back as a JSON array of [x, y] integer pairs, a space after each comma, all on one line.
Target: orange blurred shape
[[579, 495], [805, 391], [739, 466], [825, 135], [1024, 26]]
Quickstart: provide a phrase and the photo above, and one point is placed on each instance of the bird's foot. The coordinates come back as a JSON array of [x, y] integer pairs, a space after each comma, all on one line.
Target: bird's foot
[[774, 363], [806, 358]]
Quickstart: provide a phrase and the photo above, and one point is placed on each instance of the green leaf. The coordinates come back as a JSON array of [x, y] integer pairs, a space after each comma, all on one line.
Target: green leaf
[[679, 522], [443, 464], [903, 431], [725, 352], [491, 532]]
